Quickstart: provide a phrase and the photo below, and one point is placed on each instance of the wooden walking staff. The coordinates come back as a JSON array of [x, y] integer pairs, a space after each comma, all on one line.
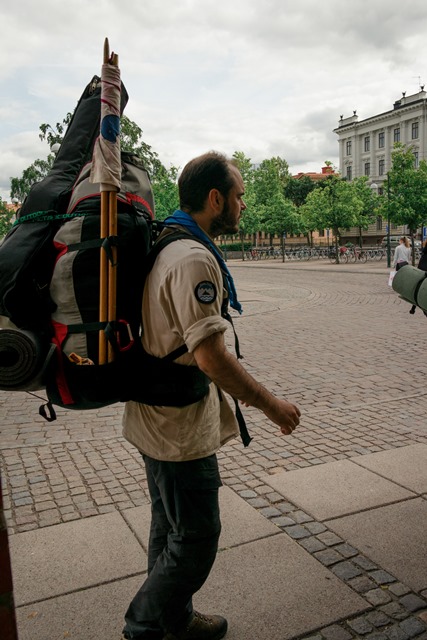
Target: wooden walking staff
[[106, 170]]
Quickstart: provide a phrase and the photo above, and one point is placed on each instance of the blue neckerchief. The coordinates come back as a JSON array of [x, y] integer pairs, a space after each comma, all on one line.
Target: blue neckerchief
[[185, 220]]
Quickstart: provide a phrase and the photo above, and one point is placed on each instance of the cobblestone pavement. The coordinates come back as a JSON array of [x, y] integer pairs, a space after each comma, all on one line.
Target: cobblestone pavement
[[334, 339]]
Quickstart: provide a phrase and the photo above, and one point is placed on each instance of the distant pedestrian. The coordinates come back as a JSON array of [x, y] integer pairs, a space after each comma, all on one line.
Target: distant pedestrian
[[422, 264], [402, 254]]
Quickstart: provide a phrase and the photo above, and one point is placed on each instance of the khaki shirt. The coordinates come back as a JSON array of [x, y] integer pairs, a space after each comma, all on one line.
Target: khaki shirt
[[175, 310]]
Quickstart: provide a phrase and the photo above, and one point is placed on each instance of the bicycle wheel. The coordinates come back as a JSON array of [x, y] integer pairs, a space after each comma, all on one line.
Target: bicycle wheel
[[363, 256], [343, 258]]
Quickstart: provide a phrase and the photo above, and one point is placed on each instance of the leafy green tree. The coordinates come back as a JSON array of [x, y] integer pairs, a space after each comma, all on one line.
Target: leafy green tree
[[282, 169], [246, 169], [366, 214], [20, 187], [269, 181], [54, 135], [130, 140], [281, 216], [405, 197], [297, 189], [270, 177], [335, 204], [6, 216], [250, 220], [165, 190]]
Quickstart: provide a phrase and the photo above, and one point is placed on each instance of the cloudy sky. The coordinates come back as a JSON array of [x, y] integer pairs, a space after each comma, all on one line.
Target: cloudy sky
[[266, 77]]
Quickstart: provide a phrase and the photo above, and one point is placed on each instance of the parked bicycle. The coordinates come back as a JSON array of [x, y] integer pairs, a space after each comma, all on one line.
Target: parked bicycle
[[356, 254], [376, 254], [342, 255]]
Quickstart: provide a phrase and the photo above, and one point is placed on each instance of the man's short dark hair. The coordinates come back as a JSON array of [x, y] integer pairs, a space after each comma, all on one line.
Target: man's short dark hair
[[199, 176]]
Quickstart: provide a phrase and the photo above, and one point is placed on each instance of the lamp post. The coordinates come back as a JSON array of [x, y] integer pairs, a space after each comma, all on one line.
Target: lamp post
[[374, 187], [55, 148], [388, 224]]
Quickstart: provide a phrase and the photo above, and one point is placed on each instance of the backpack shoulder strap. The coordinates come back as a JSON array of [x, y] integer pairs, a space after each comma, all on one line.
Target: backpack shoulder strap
[[163, 241], [169, 235]]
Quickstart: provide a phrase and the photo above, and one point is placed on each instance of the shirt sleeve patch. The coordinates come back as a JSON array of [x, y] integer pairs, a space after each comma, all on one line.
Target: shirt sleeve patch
[[205, 292]]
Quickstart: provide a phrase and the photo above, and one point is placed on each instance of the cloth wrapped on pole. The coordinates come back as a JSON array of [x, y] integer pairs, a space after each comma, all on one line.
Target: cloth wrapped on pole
[[106, 166], [106, 170]]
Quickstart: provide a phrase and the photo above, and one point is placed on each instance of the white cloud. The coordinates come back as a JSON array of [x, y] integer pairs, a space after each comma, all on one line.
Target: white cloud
[[266, 77]]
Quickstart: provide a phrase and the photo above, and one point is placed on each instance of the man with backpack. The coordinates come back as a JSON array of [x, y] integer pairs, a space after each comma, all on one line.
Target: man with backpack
[[184, 303]]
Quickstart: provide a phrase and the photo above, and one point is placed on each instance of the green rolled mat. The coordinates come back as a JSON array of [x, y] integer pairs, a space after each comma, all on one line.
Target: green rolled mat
[[411, 284], [23, 360]]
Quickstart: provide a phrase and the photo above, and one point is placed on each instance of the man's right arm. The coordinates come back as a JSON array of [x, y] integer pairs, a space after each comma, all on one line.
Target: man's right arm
[[214, 359]]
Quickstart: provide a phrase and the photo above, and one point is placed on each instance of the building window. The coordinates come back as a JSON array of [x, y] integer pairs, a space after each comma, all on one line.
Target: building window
[[379, 223], [367, 169], [396, 135], [348, 174], [367, 143], [348, 147], [381, 140], [416, 161], [321, 233], [381, 167], [414, 130]]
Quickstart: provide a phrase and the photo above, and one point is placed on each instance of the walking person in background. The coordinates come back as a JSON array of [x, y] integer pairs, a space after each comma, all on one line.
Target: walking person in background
[[422, 264], [402, 254]]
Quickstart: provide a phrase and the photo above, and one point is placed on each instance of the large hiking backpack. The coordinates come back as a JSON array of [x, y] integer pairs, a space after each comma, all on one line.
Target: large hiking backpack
[[79, 381], [49, 287], [55, 297]]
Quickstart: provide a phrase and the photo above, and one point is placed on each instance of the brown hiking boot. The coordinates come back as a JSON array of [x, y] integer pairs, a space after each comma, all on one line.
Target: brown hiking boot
[[201, 627]]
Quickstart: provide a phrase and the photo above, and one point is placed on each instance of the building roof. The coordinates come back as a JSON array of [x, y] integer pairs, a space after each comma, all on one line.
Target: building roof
[[326, 171]]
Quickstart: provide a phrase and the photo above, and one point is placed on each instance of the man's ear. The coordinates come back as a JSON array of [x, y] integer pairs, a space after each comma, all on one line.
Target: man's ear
[[216, 200]]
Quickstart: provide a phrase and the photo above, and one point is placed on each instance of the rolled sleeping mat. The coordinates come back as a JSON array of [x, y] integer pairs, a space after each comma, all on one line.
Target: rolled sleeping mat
[[411, 284], [24, 357]]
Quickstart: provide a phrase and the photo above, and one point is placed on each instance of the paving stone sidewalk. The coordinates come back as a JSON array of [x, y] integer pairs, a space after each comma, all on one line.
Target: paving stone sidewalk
[[336, 341]]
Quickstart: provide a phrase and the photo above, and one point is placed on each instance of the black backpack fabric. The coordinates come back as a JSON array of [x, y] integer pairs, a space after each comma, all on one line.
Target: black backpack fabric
[[27, 255]]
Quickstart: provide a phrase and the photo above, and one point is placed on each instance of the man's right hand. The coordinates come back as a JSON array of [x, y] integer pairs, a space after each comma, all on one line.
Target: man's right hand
[[283, 413]]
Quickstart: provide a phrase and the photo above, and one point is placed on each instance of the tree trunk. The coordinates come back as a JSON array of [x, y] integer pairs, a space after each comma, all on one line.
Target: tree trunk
[[242, 241], [337, 255]]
